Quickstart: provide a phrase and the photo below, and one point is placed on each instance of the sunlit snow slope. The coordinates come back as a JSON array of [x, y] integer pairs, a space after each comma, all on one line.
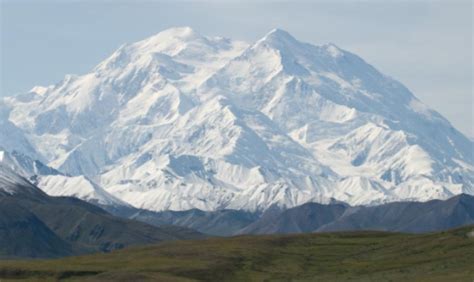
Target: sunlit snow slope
[[180, 121], [56, 183]]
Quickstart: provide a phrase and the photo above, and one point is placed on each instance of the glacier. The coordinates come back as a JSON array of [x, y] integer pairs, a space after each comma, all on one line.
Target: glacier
[[181, 120]]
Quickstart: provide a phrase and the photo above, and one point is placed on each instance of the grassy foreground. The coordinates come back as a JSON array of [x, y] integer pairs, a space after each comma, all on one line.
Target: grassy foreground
[[355, 256]]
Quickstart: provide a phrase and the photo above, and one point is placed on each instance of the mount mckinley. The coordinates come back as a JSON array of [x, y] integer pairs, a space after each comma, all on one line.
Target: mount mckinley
[[182, 121]]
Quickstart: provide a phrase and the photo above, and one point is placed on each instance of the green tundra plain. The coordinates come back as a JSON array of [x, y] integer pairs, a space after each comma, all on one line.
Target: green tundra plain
[[344, 256]]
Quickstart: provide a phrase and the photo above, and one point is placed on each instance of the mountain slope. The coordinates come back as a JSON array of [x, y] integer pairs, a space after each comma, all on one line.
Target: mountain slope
[[55, 183], [408, 217], [180, 121], [302, 219], [412, 217], [37, 225], [219, 223], [22, 234]]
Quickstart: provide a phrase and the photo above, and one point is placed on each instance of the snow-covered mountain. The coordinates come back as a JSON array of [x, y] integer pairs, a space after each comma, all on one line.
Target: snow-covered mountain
[[181, 120], [56, 183]]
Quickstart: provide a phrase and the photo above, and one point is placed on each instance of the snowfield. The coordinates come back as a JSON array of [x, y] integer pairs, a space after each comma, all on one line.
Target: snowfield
[[181, 120]]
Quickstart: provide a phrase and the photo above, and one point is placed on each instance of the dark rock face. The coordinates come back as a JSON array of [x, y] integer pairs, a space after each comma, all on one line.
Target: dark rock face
[[301, 219], [22, 234], [219, 223], [413, 217], [33, 224]]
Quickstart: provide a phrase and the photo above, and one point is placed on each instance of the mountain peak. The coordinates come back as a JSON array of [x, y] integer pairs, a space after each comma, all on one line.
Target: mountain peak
[[278, 37], [278, 32], [171, 36], [180, 32], [285, 42], [169, 42]]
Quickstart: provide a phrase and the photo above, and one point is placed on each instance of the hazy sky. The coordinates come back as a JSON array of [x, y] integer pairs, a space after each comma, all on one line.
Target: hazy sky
[[427, 45]]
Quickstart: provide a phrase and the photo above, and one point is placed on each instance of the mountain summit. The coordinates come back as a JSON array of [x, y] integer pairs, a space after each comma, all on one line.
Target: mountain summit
[[181, 120]]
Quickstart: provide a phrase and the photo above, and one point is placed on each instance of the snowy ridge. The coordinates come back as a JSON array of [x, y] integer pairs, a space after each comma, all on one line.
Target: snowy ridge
[[181, 120], [78, 186], [54, 182], [12, 183]]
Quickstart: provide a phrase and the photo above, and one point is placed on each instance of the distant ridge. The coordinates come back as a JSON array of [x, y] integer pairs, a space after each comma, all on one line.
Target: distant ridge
[[411, 217]]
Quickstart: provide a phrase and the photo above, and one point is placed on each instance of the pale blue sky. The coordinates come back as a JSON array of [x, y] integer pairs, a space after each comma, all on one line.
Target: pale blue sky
[[427, 45]]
